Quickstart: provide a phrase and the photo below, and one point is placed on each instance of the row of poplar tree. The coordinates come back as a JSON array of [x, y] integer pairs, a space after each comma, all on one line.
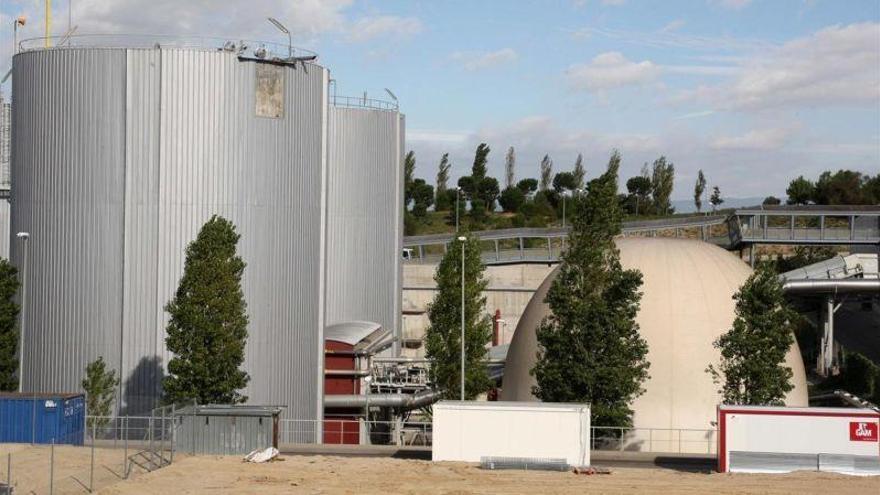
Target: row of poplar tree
[[535, 201], [590, 349]]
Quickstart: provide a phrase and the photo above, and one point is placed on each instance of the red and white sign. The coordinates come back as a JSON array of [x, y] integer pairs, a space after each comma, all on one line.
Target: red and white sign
[[796, 430], [861, 431]]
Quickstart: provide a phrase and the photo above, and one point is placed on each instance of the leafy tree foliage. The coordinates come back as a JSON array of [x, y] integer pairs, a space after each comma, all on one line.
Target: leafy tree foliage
[[9, 311], [207, 329], [752, 370], [443, 335], [564, 181], [442, 200], [590, 347], [803, 256], [100, 386], [423, 197], [510, 168], [482, 191], [662, 178], [859, 375], [409, 168], [639, 188], [800, 191], [512, 199], [843, 187], [527, 186], [771, 201], [546, 172], [716, 200], [699, 188], [579, 172]]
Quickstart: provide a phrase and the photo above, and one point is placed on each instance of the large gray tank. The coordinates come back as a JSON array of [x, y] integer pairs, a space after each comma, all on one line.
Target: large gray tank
[[365, 220], [119, 157]]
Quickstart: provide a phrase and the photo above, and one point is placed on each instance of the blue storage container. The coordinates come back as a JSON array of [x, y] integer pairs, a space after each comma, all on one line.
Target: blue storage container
[[42, 418]]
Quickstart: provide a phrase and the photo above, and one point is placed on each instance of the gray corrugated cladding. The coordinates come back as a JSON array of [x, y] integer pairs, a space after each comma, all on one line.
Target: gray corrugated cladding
[[119, 157], [364, 216]]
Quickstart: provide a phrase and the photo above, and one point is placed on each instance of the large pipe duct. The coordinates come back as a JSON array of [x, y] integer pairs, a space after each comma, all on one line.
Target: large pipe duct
[[849, 286], [398, 401]]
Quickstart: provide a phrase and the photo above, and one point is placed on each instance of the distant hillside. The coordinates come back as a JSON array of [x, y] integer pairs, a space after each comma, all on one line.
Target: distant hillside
[[687, 205]]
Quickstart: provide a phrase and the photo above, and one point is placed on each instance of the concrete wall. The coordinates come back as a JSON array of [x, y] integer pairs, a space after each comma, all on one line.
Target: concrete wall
[[510, 290]]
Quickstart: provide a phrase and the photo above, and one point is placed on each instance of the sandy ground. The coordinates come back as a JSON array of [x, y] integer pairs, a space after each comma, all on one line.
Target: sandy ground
[[30, 468], [352, 475]]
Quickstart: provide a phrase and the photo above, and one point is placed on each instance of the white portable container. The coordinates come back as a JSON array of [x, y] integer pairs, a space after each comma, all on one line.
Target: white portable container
[[784, 439], [468, 431]]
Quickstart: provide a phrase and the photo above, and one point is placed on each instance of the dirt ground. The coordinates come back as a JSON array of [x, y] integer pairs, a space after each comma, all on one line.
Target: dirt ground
[[353, 475], [31, 467]]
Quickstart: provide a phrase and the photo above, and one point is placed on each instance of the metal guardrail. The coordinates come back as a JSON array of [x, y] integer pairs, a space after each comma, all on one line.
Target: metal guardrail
[[545, 245], [420, 433], [361, 102], [803, 225], [245, 48]]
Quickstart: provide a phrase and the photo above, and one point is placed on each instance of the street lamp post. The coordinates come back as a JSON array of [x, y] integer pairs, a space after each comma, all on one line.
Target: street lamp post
[[19, 21], [462, 239], [286, 31], [457, 192], [563, 208], [24, 236]]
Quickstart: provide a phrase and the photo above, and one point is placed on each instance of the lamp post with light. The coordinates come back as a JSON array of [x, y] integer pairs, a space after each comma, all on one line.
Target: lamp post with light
[[462, 240]]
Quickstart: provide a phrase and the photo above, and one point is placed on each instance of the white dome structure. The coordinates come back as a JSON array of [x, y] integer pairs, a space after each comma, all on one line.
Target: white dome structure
[[686, 304]]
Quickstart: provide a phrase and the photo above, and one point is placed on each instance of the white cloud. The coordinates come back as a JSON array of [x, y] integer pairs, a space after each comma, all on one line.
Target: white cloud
[[766, 139], [835, 66], [611, 70], [670, 38], [733, 4], [673, 25], [305, 18], [472, 61], [367, 28]]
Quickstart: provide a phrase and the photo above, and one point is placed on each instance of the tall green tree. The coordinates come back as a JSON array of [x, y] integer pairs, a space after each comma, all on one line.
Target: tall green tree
[[510, 168], [662, 179], [9, 311], [716, 200], [639, 188], [590, 347], [699, 188], [800, 191], [442, 192], [443, 335], [409, 168], [207, 328], [579, 172], [752, 369], [423, 197], [100, 386], [546, 172]]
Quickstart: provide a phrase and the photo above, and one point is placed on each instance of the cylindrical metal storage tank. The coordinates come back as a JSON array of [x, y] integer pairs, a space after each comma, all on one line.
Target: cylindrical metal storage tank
[[365, 221], [686, 304], [119, 157]]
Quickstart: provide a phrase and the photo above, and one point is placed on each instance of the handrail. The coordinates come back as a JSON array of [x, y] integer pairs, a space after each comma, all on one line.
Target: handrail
[[246, 48]]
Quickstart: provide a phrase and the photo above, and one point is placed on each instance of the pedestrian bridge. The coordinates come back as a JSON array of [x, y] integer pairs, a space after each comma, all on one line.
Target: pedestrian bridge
[[797, 225]]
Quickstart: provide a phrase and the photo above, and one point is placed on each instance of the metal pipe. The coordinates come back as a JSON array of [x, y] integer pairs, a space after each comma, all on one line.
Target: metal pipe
[[347, 372], [401, 401], [846, 286]]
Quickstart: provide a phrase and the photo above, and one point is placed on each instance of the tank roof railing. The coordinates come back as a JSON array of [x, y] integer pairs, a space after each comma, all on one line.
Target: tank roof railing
[[361, 102], [264, 50]]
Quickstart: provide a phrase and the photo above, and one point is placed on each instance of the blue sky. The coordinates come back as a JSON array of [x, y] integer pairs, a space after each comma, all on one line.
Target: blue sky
[[754, 92]]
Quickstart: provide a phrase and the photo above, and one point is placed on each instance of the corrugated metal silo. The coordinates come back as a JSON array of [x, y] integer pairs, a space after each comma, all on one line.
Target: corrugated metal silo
[[119, 157], [365, 222]]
